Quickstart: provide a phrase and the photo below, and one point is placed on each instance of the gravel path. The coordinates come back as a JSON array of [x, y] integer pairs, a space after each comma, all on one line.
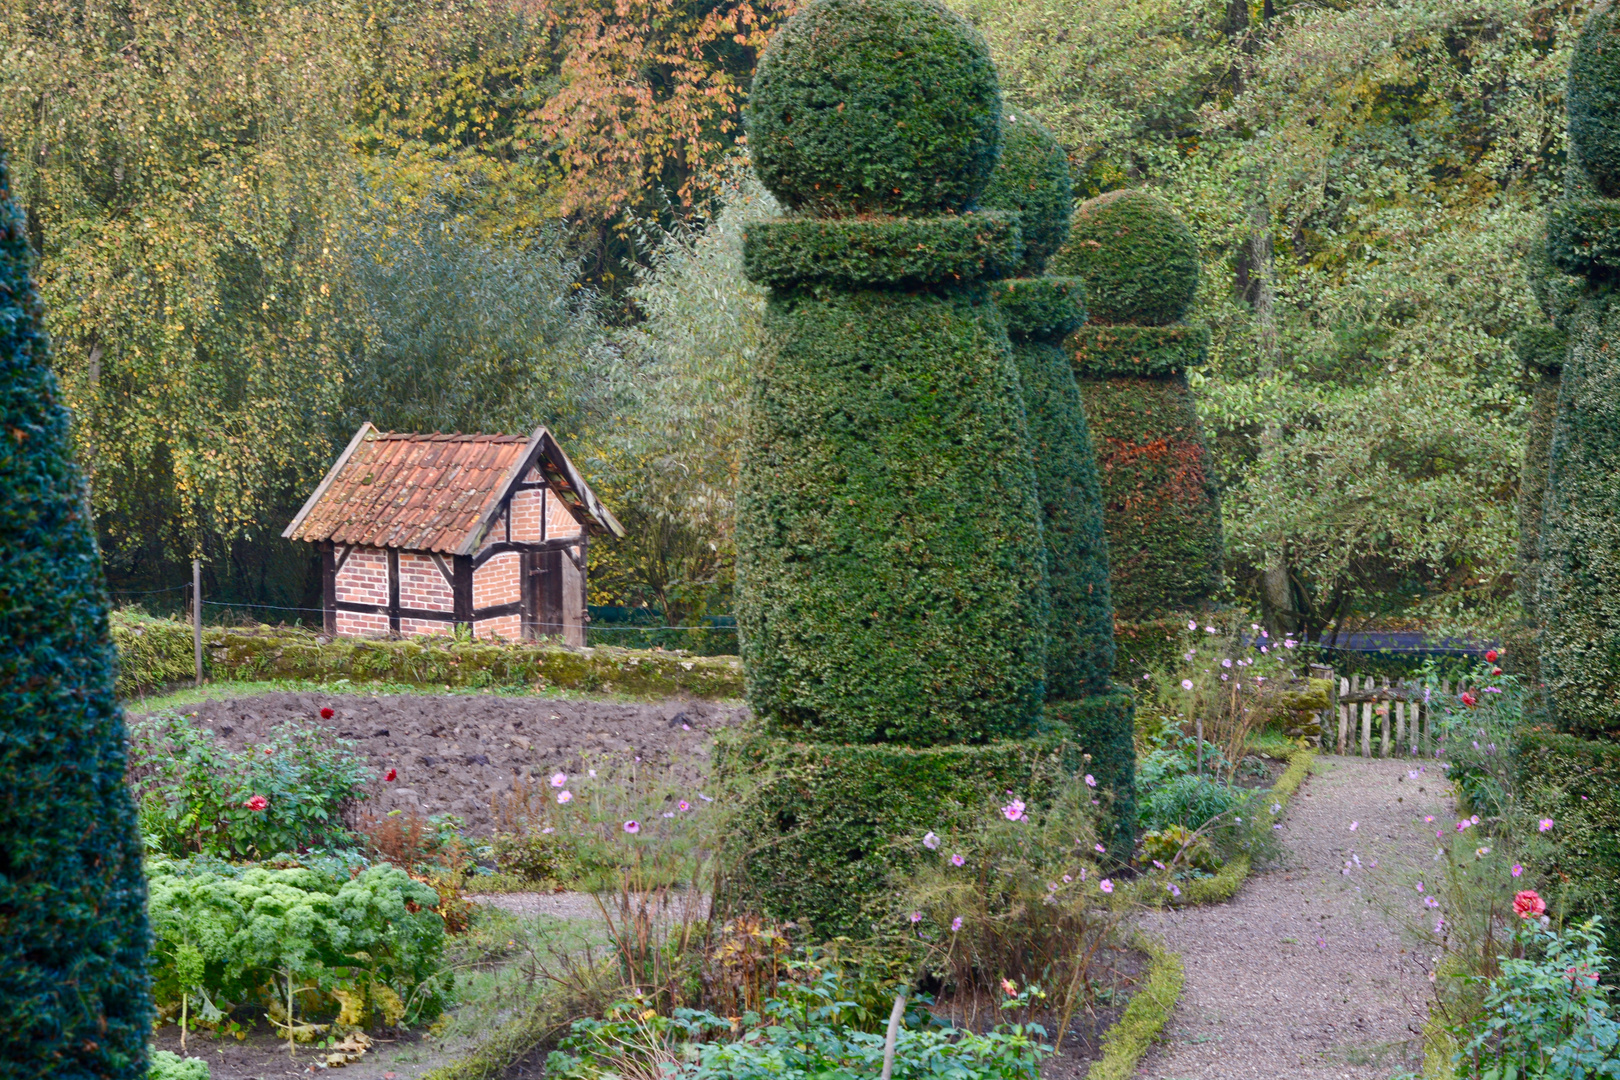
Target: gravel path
[[1298, 977]]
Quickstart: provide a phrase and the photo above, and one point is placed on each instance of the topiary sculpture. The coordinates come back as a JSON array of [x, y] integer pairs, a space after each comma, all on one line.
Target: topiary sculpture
[[890, 569], [1032, 181], [1579, 598], [1140, 266], [73, 935]]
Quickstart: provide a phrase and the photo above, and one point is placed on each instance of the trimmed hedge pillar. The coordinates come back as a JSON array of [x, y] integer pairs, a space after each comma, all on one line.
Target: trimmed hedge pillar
[[891, 576], [1579, 601], [74, 999], [1140, 266], [1032, 180]]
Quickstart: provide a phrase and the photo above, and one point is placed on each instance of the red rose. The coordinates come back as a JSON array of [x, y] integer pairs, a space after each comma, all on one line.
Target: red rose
[[257, 802], [1491, 656], [1496, 671], [1470, 699], [390, 776], [1527, 904], [326, 712]]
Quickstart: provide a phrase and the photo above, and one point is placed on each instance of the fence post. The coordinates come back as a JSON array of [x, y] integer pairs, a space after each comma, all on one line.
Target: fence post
[[1366, 719], [1344, 714], [1383, 743], [196, 615]]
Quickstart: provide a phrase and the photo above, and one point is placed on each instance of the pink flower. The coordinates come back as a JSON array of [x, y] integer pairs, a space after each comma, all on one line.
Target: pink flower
[[1013, 811], [559, 779], [1528, 903], [1490, 655], [916, 916], [1354, 825], [930, 841], [1546, 823], [1009, 987], [1429, 818], [683, 806], [957, 860], [1067, 879], [1192, 624], [1469, 698], [1517, 870], [1099, 847], [1186, 684], [326, 712], [1289, 643], [256, 802], [1175, 891], [632, 827], [956, 924], [1105, 885], [564, 797], [1226, 663], [1091, 781], [390, 776], [1420, 886]]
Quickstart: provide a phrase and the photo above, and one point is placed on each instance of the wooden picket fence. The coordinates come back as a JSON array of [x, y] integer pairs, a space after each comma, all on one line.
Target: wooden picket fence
[[1375, 716]]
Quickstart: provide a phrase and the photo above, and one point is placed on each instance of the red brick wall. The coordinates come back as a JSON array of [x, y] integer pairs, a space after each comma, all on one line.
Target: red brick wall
[[499, 581], [363, 580], [422, 586]]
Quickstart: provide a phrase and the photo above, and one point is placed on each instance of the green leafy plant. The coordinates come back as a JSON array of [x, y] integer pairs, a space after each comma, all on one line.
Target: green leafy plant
[[289, 794]]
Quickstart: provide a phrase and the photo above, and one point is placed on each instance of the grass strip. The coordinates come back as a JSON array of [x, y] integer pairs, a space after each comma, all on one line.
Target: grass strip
[[1145, 1016]]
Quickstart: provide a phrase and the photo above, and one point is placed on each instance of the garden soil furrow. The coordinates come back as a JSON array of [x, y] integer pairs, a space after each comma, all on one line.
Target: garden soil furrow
[[1303, 975]]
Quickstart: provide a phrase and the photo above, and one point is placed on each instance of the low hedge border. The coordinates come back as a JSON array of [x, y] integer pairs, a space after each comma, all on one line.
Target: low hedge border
[[1099, 350], [1145, 1016], [1583, 237], [161, 651], [868, 252]]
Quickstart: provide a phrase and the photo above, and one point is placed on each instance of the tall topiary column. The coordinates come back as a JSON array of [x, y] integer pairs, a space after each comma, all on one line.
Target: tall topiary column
[[1032, 180], [890, 571], [74, 998], [1579, 602], [1140, 265]]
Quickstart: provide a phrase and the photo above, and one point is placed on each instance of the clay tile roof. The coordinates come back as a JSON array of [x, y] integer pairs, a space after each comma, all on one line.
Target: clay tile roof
[[433, 492]]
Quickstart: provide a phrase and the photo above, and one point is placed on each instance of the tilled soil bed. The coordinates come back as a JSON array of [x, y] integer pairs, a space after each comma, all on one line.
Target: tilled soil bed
[[453, 752]]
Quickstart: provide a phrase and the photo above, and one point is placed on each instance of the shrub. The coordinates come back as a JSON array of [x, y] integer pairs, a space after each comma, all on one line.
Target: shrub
[[874, 106], [1576, 783], [1137, 257], [198, 797], [1032, 180], [73, 936], [170, 1066], [297, 941], [1594, 101]]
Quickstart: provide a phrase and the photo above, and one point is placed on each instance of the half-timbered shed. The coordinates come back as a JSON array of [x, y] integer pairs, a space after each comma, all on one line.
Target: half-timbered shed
[[422, 534]]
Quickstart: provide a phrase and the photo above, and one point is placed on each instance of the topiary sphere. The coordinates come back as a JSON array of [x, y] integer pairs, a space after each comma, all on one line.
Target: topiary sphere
[[1594, 100], [1032, 180], [1137, 257], [875, 106]]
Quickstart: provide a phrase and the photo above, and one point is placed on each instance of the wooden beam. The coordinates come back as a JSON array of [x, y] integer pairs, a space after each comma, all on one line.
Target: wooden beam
[[561, 544], [404, 612], [329, 569], [461, 587], [393, 590], [513, 608]]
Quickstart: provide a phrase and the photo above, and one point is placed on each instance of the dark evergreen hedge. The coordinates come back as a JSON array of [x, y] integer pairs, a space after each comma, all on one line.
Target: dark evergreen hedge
[[1521, 642], [1159, 497], [1576, 782], [1137, 350], [1104, 726], [875, 106], [1041, 307], [1137, 257], [889, 561], [903, 252], [1594, 100], [815, 841], [1579, 603], [1032, 180], [74, 998], [1583, 237]]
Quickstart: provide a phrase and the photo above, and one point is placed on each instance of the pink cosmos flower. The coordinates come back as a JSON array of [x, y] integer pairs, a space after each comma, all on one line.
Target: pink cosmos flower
[[1100, 847], [256, 802], [1186, 684], [1067, 879], [1105, 885], [916, 916], [1013, 811], [1192, 624], [957, 860], [956, 924], [668, 813], [930, 841], [559, 779], [1226, 663], [1429, 819], [632, 827], [683, 806], [1546, 823], [1091, 781], [565, 797], [1517, 870]]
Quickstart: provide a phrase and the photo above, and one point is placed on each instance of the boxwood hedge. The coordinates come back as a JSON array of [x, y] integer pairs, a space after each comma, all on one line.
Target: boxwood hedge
[[1137, 257], [1576, 782], [1032, 180]]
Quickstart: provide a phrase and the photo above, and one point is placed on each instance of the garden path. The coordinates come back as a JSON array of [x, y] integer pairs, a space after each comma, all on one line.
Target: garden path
[[1304, 975]]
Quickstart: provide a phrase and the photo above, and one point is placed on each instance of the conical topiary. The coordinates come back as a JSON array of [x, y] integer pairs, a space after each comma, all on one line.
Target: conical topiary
[[1032, 180], [890, 567], [1140, 266], [1579, 600], [74, 999]]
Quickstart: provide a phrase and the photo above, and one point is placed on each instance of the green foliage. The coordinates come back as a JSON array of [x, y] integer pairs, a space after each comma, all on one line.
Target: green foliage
[[1146, 645], [1576, 783], [1594, 101], [871, 252], [890, 571], [1040, 308], [1583, 237], [1136, 255], [367, 947], [1188, 800], [1137, 350], [1031, 180], [1546, 1016], [875, 106], [73, 936], [1080, 648], [1159, 498], [1103, 725], [194, 795], [815, 841], [167, 1065], [803, 1032], [1579, 602], [152, 653]]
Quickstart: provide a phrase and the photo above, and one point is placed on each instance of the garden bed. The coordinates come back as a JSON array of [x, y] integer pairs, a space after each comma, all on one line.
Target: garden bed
[[452, 752]]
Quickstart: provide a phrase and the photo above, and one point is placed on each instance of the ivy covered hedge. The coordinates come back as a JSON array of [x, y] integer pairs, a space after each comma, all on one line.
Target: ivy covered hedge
[[854, 253], [163, 648]]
